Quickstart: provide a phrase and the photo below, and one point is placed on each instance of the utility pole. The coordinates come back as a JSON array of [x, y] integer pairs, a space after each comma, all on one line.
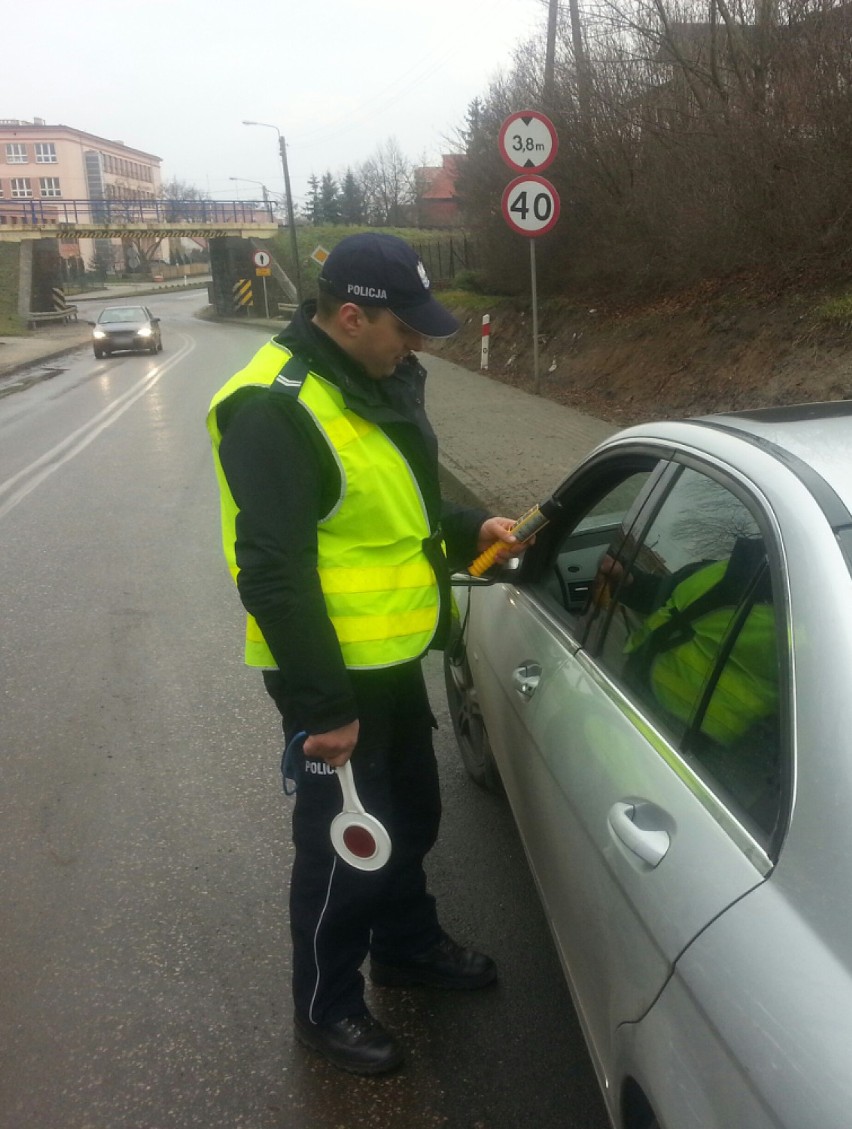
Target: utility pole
[[291, 219], [583, 100], [579, 47], [288, 199], [550, 55]]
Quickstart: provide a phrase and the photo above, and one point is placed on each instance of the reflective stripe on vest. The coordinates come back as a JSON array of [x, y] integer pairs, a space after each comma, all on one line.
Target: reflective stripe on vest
[[379, 588]]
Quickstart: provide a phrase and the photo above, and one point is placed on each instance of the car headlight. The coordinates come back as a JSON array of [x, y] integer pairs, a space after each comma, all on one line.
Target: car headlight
[[145, 331], [99, 333]]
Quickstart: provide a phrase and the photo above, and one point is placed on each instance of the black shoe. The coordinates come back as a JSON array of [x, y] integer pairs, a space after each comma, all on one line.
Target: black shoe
[[358, 1043], [445, 965]]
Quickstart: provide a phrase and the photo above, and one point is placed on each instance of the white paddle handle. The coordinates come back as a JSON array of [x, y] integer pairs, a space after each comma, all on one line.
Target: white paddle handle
[[347, 785]]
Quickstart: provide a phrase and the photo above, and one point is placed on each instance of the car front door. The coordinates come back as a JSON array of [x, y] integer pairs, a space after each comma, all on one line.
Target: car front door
[[630, 836]]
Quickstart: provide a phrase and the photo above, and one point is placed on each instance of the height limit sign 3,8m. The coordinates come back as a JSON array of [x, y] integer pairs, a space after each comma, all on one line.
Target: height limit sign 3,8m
[[527, 141]]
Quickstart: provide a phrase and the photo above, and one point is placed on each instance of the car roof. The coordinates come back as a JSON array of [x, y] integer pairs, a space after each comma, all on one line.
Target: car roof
[[812, 440], [818, 437]]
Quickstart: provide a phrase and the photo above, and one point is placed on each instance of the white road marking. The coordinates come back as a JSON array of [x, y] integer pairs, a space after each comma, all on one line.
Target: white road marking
[[47, 464]]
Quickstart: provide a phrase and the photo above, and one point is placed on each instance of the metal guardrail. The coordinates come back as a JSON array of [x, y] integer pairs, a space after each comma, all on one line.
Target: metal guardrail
[[56, 212]]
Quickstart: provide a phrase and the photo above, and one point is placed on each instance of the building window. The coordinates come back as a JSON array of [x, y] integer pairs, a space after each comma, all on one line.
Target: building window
[[21, 187], [16, 153], [49, 186], [45, 152]]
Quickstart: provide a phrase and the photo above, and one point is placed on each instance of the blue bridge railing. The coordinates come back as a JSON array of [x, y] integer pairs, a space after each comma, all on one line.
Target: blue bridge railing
[[55, 212]]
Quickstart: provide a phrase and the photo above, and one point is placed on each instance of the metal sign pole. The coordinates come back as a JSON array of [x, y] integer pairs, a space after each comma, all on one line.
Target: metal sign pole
[[534, 315], [265, 298], [528, 144]]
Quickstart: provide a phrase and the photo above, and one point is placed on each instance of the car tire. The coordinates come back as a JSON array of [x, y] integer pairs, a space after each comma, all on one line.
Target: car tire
[[98, 354], [468, 725], [159, 346]]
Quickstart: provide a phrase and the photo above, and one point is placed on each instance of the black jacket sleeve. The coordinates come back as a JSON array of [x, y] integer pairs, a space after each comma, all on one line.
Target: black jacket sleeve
[[279, 478], [461, 532]]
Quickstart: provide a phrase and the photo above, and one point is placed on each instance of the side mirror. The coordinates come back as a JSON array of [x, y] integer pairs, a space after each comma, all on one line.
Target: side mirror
[[465, 580]]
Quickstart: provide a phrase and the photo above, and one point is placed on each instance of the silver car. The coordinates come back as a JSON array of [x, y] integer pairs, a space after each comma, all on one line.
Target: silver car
[[123, 328], [664, 688]]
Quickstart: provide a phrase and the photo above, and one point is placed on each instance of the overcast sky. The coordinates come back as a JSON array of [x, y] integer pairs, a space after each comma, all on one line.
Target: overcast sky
[[338, 77]]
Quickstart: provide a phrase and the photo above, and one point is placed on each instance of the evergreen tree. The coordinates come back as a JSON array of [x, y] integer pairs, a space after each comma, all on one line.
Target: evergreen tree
[[351, 201], [329, 199], [313, 205]]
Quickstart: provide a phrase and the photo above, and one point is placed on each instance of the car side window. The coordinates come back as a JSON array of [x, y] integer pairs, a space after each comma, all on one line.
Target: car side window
[[691, 634], [576, 548]]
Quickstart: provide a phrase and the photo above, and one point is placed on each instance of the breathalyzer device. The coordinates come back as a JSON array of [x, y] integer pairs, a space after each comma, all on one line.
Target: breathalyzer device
[[523, 529]]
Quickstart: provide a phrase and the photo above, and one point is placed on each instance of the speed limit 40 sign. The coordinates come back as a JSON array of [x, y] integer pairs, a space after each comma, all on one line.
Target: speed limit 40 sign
[[530, 205]]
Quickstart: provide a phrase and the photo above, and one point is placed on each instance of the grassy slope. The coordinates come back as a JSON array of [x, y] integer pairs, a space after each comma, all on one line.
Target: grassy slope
[[732, 349], [308, 238]]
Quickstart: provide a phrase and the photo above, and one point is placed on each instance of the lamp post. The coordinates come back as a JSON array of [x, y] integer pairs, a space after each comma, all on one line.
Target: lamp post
[[288, 199], [266, 201]]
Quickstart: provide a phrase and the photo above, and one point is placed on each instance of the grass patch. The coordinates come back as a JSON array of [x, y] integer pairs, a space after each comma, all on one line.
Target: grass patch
[[836, 311], [467, 300]]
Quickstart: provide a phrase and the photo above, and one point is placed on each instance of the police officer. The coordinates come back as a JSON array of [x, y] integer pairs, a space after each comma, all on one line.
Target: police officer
[[339, 541]]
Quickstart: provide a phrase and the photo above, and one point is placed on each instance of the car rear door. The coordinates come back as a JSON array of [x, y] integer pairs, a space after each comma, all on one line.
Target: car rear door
[[630, 838]]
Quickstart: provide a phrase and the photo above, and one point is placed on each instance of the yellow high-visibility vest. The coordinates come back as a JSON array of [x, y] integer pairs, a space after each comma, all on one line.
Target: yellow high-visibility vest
[[380, 590], [747, 689]]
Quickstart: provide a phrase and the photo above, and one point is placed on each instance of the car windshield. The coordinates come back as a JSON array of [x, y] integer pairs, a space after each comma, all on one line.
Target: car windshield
[[123, 313]]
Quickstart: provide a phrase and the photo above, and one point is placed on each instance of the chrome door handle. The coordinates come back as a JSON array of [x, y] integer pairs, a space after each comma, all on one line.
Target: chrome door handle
[[526, 678], [650, 845]]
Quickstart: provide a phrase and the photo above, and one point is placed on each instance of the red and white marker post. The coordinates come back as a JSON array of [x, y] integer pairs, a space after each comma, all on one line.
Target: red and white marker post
[[486, 338]]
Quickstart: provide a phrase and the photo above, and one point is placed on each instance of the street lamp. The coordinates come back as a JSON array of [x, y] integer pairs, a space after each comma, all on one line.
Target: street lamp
[[288, 199], [267, 203], [261, 185]]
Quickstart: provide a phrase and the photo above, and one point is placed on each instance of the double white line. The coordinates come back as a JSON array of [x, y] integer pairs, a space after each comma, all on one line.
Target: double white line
[[20, 485]]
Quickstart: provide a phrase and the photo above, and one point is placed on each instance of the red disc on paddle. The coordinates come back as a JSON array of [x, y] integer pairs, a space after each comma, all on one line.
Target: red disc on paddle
[[359, 841]]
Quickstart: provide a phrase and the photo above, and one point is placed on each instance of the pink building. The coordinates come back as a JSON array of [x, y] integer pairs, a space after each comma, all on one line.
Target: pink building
[[46, 167]]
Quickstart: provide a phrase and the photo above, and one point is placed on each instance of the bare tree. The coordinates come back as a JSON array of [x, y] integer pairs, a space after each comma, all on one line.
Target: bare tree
[[387, 185], [697, 138]]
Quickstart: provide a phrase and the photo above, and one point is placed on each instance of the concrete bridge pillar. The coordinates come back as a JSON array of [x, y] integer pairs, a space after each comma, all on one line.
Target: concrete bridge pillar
[[236, 288]]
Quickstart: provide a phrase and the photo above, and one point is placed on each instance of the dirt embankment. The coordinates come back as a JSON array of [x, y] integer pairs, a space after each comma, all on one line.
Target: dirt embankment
[[678, 357]]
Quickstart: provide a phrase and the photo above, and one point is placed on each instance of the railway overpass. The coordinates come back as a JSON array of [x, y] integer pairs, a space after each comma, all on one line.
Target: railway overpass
[[232, 229]]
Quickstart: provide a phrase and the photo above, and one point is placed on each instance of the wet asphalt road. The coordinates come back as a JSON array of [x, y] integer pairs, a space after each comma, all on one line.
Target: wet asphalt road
[[144, 843]]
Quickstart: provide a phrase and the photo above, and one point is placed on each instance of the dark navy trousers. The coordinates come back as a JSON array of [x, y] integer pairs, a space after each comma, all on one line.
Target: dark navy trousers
[[339, 914]]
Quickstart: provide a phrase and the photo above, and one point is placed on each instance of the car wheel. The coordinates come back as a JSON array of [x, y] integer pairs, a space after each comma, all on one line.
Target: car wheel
[[98, 353], [159, 346], [469, 728]]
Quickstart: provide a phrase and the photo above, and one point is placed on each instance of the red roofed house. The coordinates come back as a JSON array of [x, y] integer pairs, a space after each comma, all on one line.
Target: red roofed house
[[437, 198]]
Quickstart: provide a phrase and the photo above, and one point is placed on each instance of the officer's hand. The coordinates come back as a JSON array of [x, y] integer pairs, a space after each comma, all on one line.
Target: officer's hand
[[497, 529], [334, 747]]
